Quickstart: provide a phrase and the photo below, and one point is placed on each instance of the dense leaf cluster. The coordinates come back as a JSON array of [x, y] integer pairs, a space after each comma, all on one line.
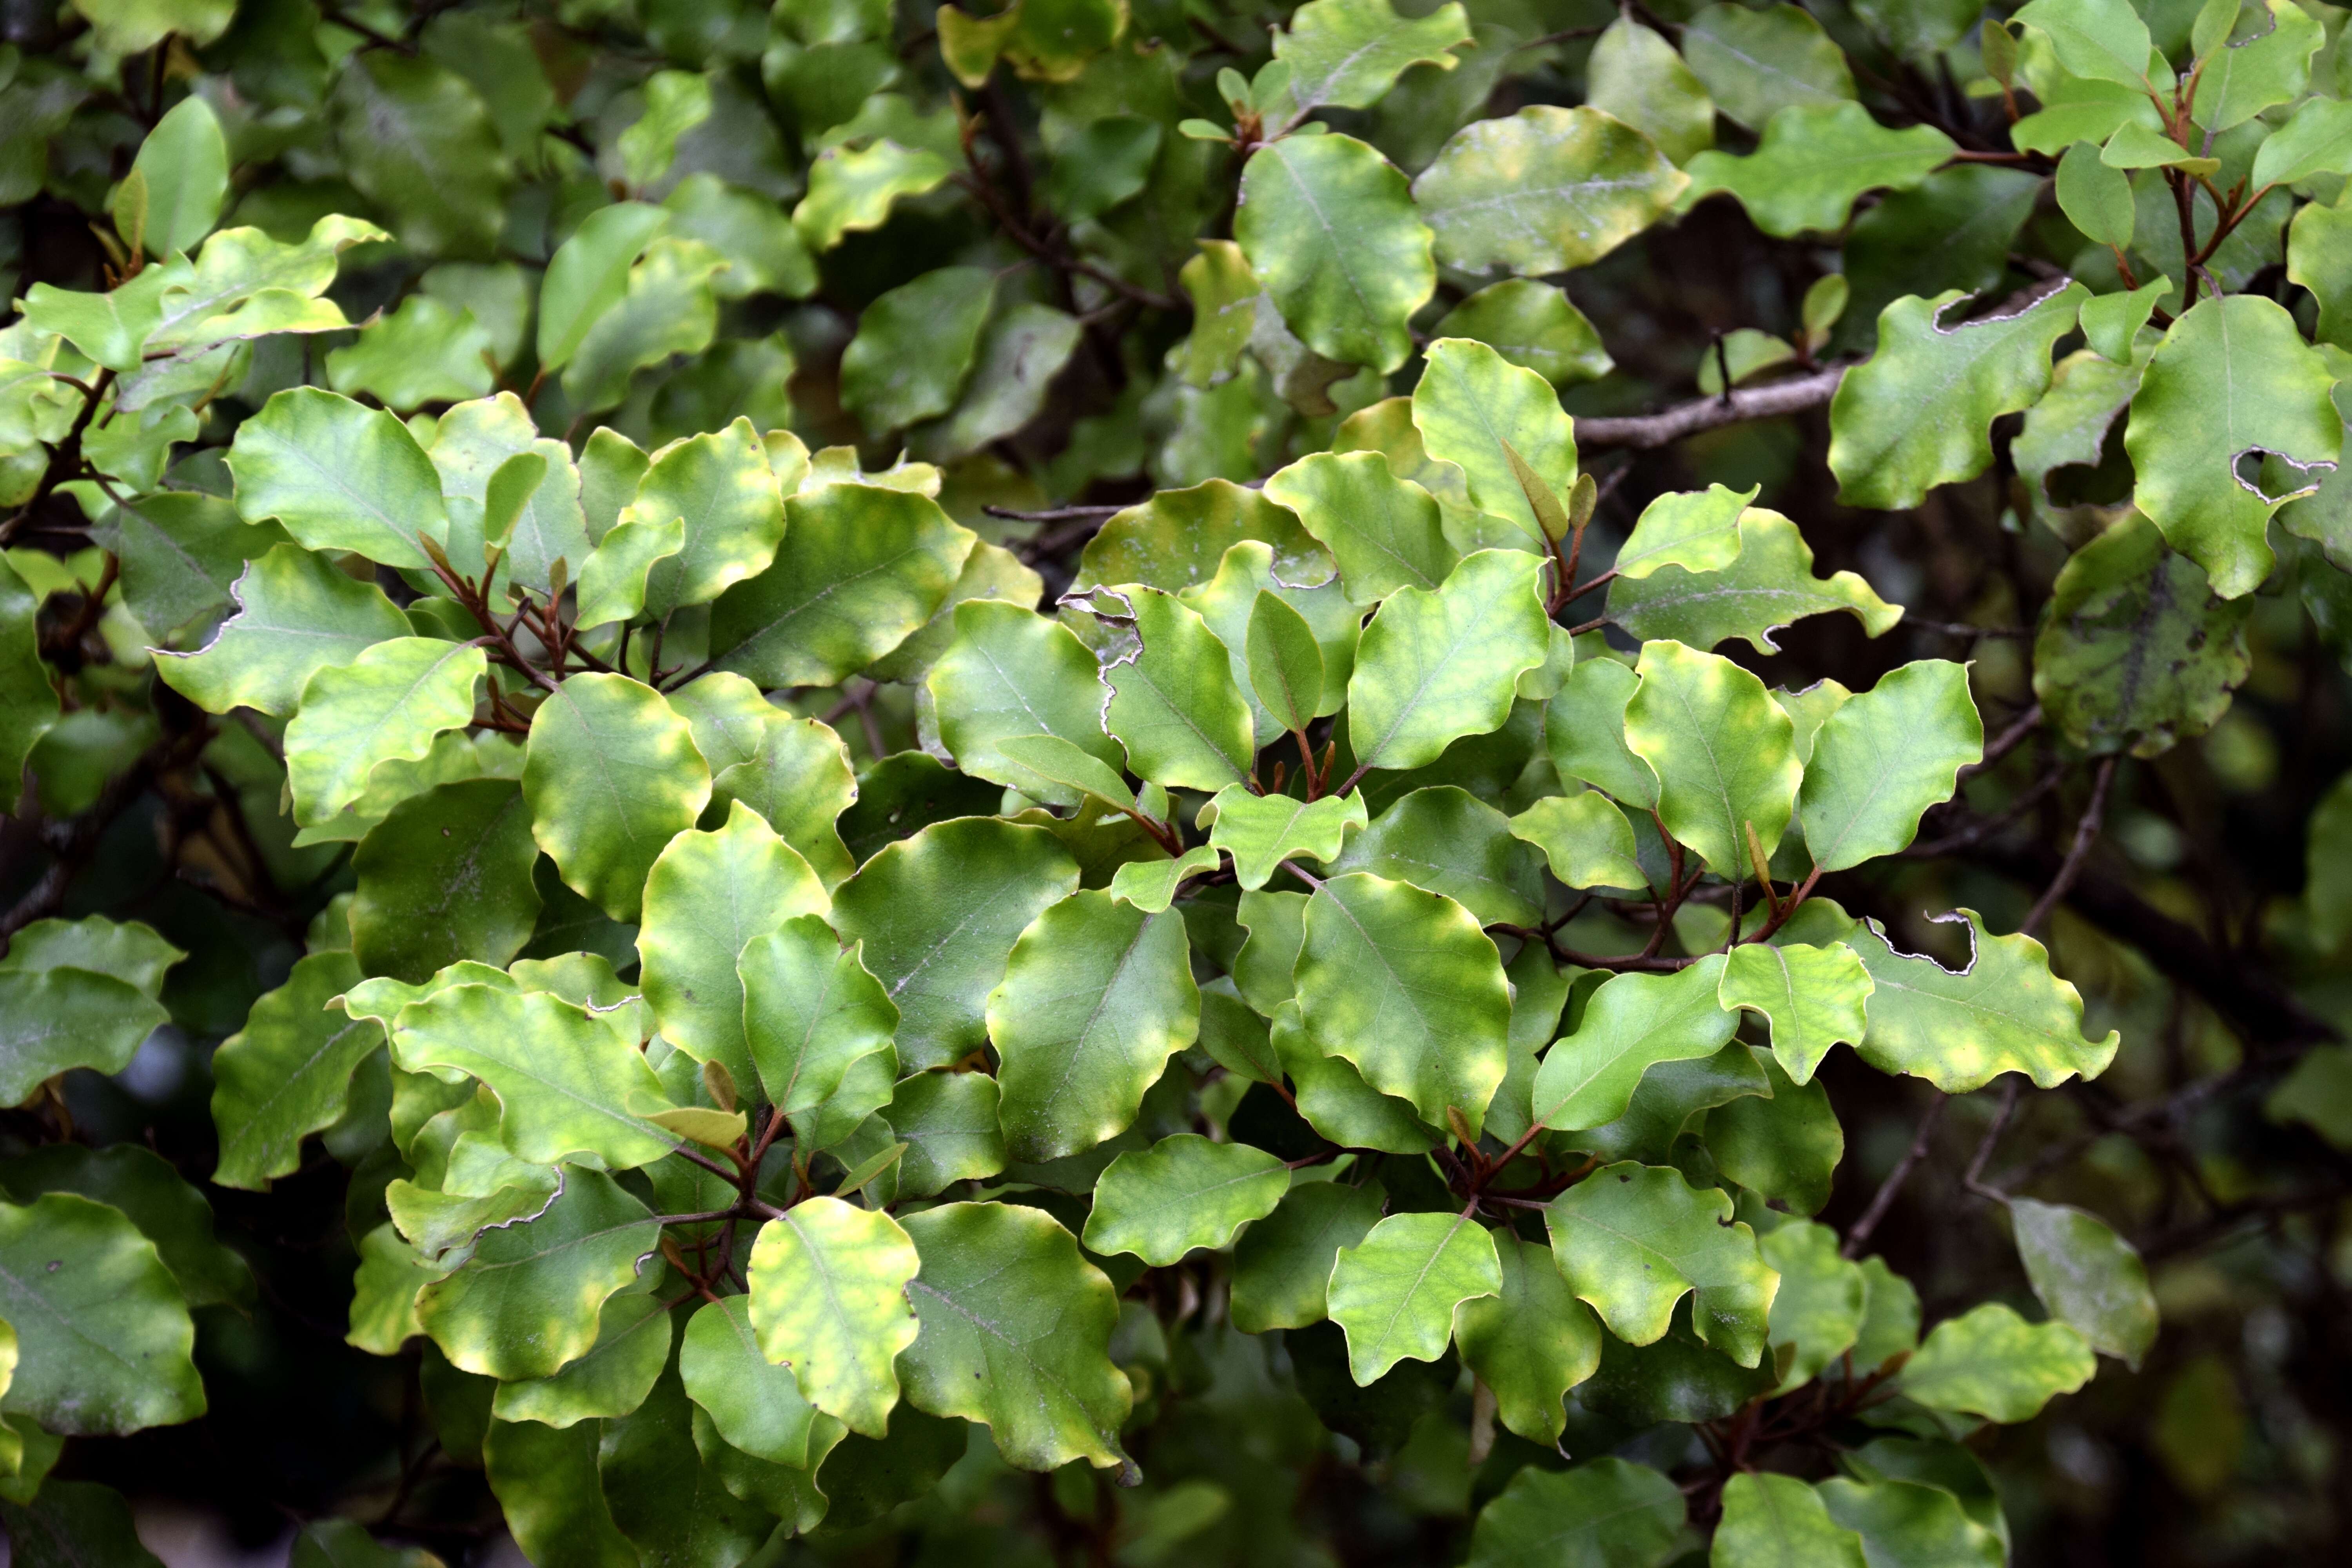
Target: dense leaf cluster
[[943, 745]]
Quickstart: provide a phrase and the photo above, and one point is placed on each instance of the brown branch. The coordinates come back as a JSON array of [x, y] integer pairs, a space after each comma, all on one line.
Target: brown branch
[[1858, 1235], [2087, 833], [1771, 401]]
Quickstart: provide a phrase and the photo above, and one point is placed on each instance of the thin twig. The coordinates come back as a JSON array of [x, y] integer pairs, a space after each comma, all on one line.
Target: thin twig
[[1770, 401], [2087, 833], [1858, 1235]]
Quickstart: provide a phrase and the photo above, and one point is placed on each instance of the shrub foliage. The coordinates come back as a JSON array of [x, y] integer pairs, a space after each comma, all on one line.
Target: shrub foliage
[[1203, 748]]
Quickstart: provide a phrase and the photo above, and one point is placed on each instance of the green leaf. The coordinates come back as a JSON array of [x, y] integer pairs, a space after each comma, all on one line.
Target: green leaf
[[2095, 196], [938, 913], [1884, 758], [707, 898], [1631, 1023], [914, 348], [1024, 348], [1015, 1333], [446, 876], [1696, 530], [1347, 54], [948, 1121], [2256, 72], [663, 1498], [2137, 652], [385, 706], [669, 306], [144, 1187], [1432, 667], [1096, 997], [568, 1076], [1404, 984], [675, 102], [65, 1524], [1531, 1342], [1395, 1293], [183, 172], [2087, 1276], [546, 1484], [424, 352], [1106, 164], [1634, 1239], [1383, 530], [1906, 1522], [1286, 667], [1811, 996], [1635, 75], [721, 488], [1281, 1265], [1951, 383], [1585, 840], [102, 1329], [1174, 704], [1010, 673], [131, 26], [861, 569], [1179, 540], [1329, 228], [613, 775], [810, 1012], [1890, 1318], [1055, 759], [56, 1019], [829, 1299], [342, 1544], [1769, 586], [1544, 190], [1262, 831], [1818, 1311], [1584, 730], [612, 1378], [764, 253], [1471, 401], [1814, 161], [339, 476], [756, 1404], [26, 698], [1182, 1192], [1446, 840], [1784, 1147], [128, 951], [2004, 1011], [1604, 1513], [1334, 625], [790, 1493], [615, 577], [1671, 1100], [417, 141], [850, 191], [1533, 325], [287, 1073], [1335, 1101], [589, 274], [2233, 378], [1722, 749], [2104, 39], [527, 1301], [1777, 1521], [1756, 63], [384, 1289], [1990, 1362], [2317, 141]]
